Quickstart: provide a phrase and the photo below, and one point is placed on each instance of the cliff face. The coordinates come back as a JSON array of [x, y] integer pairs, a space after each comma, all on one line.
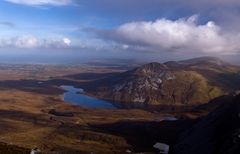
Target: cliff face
[[189, 82], [217, 133]]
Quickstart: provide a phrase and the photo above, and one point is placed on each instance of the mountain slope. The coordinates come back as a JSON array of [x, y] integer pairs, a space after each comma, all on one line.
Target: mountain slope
[[217, 133], [187, 83]]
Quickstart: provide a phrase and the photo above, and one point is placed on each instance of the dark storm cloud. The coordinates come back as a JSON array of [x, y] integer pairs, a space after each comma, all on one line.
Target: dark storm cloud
[[223, 12], [136, 6], [167, 25]]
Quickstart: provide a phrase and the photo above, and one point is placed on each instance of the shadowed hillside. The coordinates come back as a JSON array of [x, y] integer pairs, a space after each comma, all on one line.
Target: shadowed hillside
[[217, 133]]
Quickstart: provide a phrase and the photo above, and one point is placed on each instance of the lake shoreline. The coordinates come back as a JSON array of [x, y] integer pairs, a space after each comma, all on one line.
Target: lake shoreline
[[77, 96]]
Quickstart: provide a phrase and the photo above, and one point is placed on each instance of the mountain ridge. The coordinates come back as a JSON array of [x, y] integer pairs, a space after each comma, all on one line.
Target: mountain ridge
[[188, 82]]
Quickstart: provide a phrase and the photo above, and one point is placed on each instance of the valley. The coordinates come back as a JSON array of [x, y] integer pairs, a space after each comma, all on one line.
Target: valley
[[35, 115], [119, 77]]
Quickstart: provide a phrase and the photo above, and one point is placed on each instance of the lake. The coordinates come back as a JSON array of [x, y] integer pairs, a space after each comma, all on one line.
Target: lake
[[76, 96]]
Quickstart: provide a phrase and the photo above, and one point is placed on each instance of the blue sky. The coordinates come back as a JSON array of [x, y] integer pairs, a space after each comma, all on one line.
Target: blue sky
[[141, 29]]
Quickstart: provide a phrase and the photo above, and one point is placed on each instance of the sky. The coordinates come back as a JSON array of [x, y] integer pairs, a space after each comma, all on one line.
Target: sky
[[150, 30]]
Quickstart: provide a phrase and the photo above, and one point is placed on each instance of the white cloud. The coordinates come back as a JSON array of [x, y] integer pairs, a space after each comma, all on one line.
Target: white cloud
[[29, 41], [180, 35], [25, 42], [41, 2], [67, 41]]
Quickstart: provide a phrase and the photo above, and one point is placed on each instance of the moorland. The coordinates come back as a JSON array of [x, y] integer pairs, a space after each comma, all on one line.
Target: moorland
[[33, 113]]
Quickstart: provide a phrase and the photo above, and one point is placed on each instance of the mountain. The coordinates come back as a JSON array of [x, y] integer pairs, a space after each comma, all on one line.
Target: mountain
[[204, 60], [217, 133], [177, 83], [205, 63]]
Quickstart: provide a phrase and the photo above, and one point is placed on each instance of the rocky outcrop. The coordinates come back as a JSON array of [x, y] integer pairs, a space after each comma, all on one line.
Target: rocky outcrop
[[141, 83]]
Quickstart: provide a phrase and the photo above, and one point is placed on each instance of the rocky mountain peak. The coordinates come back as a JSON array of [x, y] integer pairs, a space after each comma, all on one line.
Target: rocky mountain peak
[[151, 68]]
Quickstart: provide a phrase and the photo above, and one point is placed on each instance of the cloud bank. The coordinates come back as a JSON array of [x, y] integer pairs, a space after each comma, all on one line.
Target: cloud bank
[[184, 34], [31, 42], [41, 2]]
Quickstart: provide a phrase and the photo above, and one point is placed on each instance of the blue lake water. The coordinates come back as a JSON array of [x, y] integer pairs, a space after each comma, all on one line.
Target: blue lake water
[[77, 96]]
